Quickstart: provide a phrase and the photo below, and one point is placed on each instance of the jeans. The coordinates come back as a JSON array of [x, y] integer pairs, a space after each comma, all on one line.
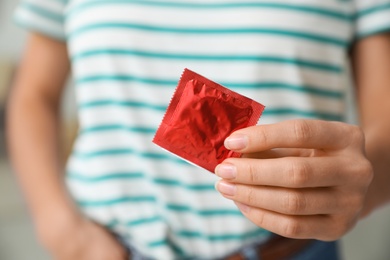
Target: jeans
[[317, 250]]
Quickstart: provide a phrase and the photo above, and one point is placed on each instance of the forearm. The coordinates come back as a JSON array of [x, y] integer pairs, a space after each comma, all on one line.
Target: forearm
[[378, 152], [33, 141], [371, 68], [62, 230], [33, 127]]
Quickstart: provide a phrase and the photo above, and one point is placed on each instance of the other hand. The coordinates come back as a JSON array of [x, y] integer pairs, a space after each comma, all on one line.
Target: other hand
[[298, 178], [80, 239]]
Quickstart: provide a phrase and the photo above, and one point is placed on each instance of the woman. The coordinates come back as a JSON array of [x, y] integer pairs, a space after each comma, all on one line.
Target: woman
[[302, 176]]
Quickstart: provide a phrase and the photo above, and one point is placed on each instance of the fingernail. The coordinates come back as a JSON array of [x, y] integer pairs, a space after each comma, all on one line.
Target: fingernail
[[226, 171], [226, 188], [244, 208], [236, 142]]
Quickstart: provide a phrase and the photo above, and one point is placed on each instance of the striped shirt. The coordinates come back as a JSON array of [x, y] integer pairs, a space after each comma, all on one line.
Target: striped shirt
[[127, 57]]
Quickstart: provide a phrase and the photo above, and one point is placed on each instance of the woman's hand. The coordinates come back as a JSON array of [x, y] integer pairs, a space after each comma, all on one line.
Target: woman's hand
[[81, 239], [299, 178]]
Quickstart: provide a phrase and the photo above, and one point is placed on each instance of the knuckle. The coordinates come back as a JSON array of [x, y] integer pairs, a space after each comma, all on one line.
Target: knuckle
[[250, 197], [363, 172], [252, 175], [299, 173], [294, 203], [302, 130], [262, 136], [292, 228], [260, 220]]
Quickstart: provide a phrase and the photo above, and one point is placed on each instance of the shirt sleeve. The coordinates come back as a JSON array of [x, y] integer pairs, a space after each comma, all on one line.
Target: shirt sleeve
[[42, 16], [371, 17]]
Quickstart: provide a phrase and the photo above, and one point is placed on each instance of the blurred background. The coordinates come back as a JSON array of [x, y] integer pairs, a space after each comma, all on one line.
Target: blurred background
[[369, 240]]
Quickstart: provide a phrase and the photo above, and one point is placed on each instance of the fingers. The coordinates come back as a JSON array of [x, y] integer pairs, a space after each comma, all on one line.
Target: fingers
[[281, 152], [300, 227], [284, 201], [298, 178], [289, 172], [292, 134]]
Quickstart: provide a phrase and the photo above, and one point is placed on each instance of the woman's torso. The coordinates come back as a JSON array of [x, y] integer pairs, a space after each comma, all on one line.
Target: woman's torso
[[127, 57]]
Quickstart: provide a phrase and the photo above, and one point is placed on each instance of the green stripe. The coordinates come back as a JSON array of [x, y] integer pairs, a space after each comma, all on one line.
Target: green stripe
[[122, 176], [158, 243], [207, 31], [103, 128], [176, 183], [371, 10], [126, 77], [119, 151], [220, 237], [110, 202], [133, 104], [302, 113], [42, 12], [135, 222], [267, 112], [290, 7], [105, 177], [180, 253], [205, 213], [112, 224], [171, 207], [123, 151], [143, 221], [239, 85], [212, 57], [190, 234], [284, 86]]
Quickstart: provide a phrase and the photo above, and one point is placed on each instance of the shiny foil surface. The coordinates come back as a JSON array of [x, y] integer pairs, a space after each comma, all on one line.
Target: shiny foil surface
[[202, 114]]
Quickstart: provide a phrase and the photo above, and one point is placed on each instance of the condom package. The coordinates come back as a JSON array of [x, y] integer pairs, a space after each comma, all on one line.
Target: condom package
[[201, 115]]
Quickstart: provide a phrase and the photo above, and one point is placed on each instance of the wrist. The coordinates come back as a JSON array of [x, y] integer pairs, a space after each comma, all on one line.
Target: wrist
[[56, 222], [59, 209]]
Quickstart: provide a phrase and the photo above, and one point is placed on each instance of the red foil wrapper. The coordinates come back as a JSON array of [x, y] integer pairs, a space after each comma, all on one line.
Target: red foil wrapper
[[201, 115]]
